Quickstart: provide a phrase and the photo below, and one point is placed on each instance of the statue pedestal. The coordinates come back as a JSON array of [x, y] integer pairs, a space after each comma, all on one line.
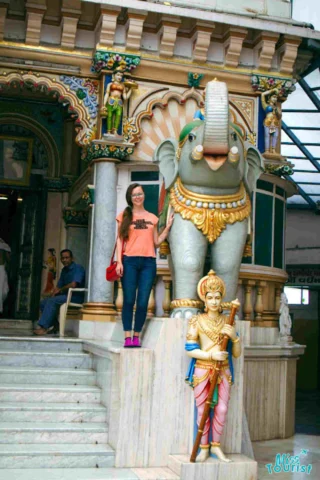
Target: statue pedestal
[[151, 408], [241, 468]]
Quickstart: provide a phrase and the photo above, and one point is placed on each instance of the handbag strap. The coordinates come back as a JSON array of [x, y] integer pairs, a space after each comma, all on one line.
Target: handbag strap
[[114, 249]]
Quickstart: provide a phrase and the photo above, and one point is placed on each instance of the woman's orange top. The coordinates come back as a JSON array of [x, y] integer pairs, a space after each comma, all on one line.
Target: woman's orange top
[[141, 240]]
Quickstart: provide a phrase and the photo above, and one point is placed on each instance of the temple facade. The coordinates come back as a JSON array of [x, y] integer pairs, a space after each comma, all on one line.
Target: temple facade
[[88, 90]]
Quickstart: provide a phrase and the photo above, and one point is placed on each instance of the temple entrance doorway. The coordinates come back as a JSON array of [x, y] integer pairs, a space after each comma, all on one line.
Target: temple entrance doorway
[[22, 225]]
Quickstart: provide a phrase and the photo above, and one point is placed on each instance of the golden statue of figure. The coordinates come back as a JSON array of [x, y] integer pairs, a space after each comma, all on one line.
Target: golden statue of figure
[[207, 333], [272, 121], [116, 93]]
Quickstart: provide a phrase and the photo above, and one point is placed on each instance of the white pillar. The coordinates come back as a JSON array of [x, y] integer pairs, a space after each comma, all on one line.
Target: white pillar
[[100, 304]]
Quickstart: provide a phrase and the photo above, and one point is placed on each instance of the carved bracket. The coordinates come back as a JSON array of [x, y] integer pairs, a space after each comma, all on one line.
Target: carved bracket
[[99, 150], [88, 195], [62, 184], [75, 218], [113, 60], [262, 83]]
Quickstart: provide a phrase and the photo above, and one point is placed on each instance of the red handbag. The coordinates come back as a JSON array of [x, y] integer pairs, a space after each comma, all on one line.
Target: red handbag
[[111, 273]]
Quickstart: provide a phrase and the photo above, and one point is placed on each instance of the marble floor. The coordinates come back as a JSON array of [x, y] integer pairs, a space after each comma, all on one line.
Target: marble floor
[[307, 447]]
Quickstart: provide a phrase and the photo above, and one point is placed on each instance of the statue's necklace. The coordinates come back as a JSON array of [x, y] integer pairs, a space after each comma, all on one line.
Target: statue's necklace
[[212, 328]]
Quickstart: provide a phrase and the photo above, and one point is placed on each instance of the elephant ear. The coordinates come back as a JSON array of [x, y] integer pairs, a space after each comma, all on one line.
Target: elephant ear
[[254, 167], [165, 155]]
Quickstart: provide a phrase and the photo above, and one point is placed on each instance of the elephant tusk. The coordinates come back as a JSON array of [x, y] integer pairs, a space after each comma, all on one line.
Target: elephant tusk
[[197, 153], [234, 154]]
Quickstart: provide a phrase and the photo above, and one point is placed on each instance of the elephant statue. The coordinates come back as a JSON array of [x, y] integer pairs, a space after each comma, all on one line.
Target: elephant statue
[[209, 174]]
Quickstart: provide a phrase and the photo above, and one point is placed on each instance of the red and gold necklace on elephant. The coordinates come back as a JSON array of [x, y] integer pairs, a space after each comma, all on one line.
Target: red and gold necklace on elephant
[[209, 213]]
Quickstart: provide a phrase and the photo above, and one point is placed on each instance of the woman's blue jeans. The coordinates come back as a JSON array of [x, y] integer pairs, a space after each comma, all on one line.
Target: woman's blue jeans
[[139, 274]]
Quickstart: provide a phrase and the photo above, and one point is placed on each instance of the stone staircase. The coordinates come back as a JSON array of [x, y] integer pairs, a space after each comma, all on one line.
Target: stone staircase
[[50, 411]]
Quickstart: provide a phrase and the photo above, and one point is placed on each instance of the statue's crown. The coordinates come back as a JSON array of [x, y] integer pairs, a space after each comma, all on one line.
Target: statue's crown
[[211, 283]]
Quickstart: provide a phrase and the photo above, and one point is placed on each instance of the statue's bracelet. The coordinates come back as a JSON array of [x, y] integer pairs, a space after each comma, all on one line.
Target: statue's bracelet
[[236, 340]]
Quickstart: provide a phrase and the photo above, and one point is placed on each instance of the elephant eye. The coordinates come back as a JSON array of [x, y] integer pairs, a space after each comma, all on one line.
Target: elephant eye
[[234, 136], [191, 137]]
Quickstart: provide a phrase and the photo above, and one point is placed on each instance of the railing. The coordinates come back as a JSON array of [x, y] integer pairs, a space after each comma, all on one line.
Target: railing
[[259, 294]]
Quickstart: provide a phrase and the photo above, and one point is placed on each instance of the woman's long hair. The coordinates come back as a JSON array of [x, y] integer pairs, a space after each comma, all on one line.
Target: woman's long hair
[[127, 214]]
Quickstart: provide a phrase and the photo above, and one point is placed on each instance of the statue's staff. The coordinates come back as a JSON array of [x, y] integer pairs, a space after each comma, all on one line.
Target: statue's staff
[[235, 305]]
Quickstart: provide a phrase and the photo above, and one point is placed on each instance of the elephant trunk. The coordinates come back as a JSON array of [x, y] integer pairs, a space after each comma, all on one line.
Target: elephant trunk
[[216, 131]]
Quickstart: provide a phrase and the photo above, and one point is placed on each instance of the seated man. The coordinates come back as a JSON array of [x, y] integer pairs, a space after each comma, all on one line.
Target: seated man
[[72, 276]]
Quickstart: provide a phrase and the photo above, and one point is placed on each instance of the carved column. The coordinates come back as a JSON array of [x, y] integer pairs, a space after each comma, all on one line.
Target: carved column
[[35, 13], [119, 299], [277, 297], [134, 28], [167, 297], [151, 303], [247, 307], [233, 45], [264, 47], [168, 35], [106, 27], [201, 41], [259, 307], [100, 304]]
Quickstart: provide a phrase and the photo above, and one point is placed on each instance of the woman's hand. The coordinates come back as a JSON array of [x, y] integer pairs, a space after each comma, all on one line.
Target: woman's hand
[[170, 222], [219, 356], [119, 269], [230, 331]]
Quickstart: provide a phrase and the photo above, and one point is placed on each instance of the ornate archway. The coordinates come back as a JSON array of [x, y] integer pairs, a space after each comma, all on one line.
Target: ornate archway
[[80, 95]]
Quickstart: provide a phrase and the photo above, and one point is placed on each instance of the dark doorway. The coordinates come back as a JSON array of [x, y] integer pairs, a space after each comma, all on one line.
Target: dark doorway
[[22, 222]]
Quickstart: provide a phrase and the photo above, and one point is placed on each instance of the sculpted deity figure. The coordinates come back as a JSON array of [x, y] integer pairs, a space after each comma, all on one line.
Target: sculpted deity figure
[[116, 93], [205, 335], [285, 319], [269, 100]]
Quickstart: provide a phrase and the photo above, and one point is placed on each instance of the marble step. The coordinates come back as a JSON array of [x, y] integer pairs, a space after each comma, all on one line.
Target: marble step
[[12, 433], [44, 359], [50, 394], [56, 456], [155, 473], [52, 412], [47, 376], [23, 344], [10, 324]]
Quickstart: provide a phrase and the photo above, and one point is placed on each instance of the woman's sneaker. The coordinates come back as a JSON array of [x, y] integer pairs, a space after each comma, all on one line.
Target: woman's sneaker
[[136, 342], [127, 342]]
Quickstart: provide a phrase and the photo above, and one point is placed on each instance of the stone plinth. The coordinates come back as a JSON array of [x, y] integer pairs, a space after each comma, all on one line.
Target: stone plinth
[[145, 390], [269, 396], [241, 468]]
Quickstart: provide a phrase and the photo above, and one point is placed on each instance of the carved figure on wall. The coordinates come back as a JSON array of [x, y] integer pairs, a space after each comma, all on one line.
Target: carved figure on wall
[[285, 321], [205, 336], [209, 174], [51, 265], [272, 121], [117, 92]]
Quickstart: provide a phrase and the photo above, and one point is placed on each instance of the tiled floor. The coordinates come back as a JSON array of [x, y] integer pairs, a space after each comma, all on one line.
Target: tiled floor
[[265, 453]]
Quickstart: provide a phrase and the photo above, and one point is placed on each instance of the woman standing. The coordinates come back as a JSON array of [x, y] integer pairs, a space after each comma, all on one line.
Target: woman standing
[[137, 266]]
